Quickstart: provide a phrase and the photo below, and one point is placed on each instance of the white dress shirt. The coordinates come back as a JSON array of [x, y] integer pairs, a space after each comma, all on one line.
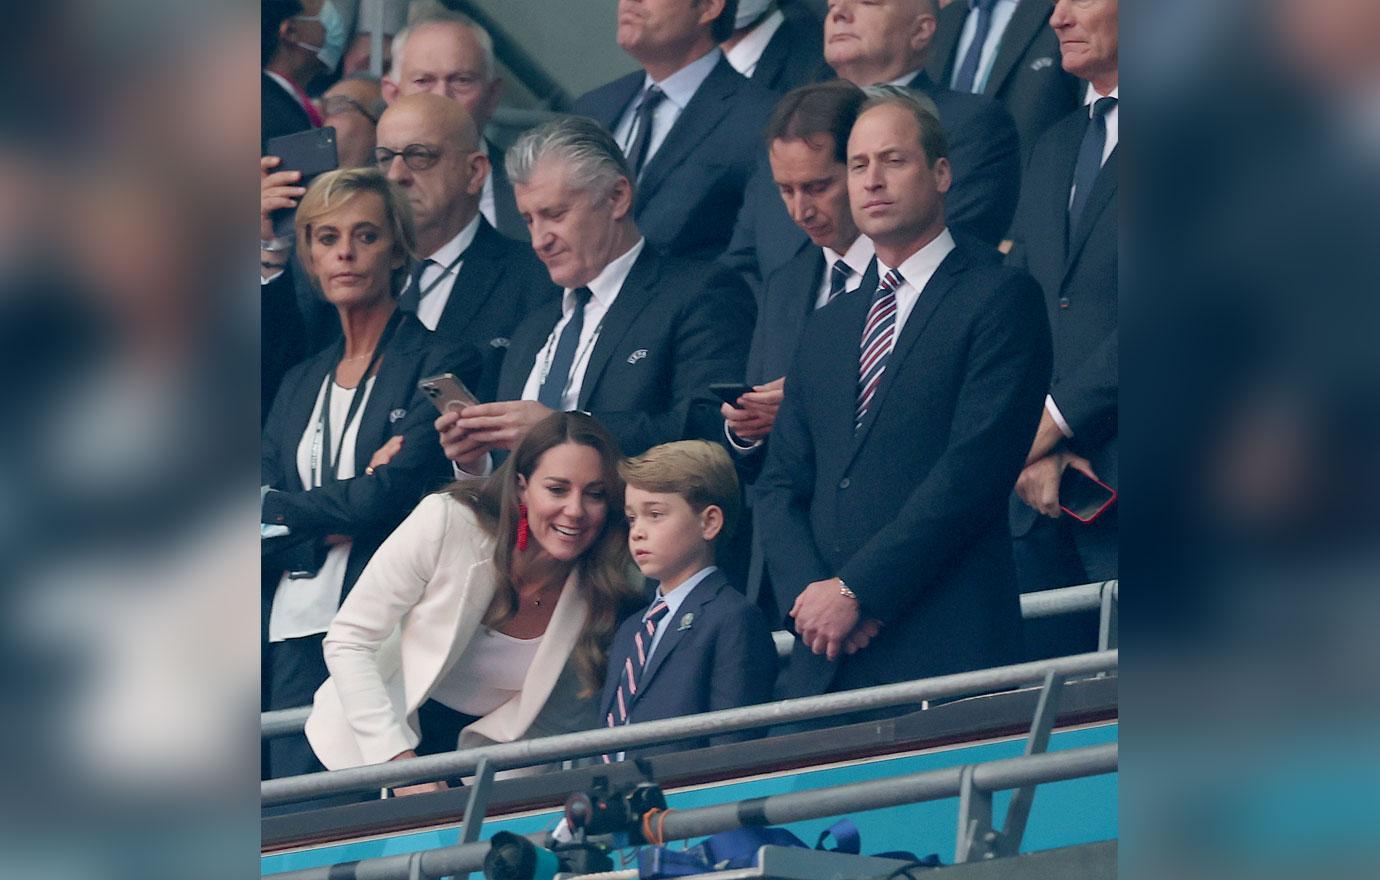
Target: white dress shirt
[[745, 55], [1113, 131], [437, 288], [916, 272], [1002, 11], [679, 88], [486, 200], [305, 606], [603, 291]]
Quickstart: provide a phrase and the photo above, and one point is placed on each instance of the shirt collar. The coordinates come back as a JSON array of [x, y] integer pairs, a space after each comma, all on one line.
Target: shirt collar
[[676, 597], [605, 286], [681, 86], [451, 250], [920, 266], [748, 52], [857, 257], [1091, 96], [904, 79]]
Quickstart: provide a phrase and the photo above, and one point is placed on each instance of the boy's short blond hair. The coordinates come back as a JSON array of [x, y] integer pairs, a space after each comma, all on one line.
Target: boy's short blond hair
[[696, 470]]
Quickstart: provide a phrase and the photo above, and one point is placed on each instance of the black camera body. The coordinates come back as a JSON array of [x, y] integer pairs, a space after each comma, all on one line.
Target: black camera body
[[602, 811]]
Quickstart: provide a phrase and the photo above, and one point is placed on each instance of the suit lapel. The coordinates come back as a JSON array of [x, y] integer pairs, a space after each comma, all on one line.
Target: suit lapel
[[473, 284], [526, 343], [636, 293], [1058, 200], [774, 56], [395, 370], [676, 628], [1025, 24], [620, 95], [506, 217], [933, 294], [711, 102], [304, 401], [852, 316], [945, 46], [1104, 188]]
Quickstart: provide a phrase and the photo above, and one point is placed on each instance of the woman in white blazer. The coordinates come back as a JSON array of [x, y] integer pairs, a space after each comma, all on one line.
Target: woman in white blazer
[[487, 615]]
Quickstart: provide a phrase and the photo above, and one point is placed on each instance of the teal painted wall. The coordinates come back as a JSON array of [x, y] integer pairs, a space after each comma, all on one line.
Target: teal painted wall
[[1065, 813]]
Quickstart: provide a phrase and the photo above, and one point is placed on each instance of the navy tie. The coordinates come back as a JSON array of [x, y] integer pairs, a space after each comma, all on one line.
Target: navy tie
[[411, 298], [642, 128], [558, 375], [838, 279], [967, 71], [1089, 159]]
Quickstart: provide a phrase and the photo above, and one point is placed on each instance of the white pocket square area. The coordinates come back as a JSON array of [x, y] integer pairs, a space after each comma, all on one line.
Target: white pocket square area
[[637, 355]]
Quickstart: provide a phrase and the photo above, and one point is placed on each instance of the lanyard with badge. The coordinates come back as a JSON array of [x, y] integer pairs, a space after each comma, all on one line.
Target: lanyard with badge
[[322, 439], [423, 292]]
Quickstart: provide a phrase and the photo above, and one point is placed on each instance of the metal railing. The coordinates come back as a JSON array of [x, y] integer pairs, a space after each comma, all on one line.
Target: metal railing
[[525, 753], [1045, 603], [984, 778]]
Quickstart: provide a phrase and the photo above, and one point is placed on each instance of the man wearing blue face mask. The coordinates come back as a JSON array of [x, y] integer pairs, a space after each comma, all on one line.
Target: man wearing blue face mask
[[301, 40]]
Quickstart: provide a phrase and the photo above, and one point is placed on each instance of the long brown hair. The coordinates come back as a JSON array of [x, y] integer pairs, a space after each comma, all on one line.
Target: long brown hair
[[604, 568]]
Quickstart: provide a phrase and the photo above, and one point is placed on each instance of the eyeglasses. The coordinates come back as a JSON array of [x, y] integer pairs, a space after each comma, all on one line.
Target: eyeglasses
[[337, 104], [414, 156]]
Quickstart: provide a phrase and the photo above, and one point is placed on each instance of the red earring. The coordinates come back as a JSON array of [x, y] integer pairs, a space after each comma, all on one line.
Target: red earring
[[522, 527]]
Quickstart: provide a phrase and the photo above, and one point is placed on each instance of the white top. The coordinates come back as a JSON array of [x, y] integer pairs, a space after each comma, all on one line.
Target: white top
[[917, 270], [603, 291], [487, 674], [674, 600], [679, 88], [858, 257], [434, 302], [1002, 11], [745, 55], [305, 606]]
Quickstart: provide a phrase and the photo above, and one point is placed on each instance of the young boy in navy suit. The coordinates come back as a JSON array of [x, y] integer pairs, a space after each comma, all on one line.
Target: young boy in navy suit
[[700, 645]]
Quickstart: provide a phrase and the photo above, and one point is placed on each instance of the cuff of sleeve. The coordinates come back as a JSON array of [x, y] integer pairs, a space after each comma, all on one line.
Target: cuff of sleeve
[[738, 443], [485, 469], [1053, 409]]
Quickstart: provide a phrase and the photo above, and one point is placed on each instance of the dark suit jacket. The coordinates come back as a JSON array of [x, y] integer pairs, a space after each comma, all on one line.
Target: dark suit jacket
[[279, 112], [1027, 76], [506, 216], [723, 658], [500, 283], [910, 510], [282, 338], [1077, 270], [795, 53], [691, 190], [676, 327], [984, 152], [367, 508]]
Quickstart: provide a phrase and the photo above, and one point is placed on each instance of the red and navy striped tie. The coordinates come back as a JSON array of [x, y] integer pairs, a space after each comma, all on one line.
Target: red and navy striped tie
[[879, 336], [633, 666]]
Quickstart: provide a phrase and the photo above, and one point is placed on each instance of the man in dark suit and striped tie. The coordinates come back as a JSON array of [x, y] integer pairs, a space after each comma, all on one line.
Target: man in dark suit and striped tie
[[910, 406]]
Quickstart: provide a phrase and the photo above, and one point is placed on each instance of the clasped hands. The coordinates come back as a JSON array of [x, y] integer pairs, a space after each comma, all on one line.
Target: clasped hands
[[468, 435], [829, 622]]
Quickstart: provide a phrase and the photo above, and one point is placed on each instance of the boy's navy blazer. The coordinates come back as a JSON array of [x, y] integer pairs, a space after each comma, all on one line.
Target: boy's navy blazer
[[690, 190], [367, 508], [716, 653], [676, 327]]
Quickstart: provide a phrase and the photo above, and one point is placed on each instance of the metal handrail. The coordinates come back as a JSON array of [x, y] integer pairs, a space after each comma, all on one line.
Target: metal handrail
[[930, 785], [1045, 603], [524, 753]]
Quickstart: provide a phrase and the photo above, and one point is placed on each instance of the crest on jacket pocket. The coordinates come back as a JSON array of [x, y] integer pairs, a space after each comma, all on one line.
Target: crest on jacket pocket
[[499, 342], [1042, 63], [637, 355], [396, 415]]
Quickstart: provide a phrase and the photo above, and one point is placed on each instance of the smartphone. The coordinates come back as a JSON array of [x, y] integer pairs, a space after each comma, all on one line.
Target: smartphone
[[311, 152], [729, 392], [447, 393], [1082, 497]]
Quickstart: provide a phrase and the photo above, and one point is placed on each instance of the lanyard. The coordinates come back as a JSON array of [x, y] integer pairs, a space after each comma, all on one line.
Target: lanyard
[[323, 425], [549, 354], [445, 271]]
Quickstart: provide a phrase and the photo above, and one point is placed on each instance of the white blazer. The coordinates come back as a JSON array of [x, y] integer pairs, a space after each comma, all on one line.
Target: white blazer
[[409, 617]]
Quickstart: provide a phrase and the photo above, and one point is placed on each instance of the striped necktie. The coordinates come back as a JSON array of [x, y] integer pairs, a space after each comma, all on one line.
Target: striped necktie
[[631, 676], [838, 279], [879, 335]]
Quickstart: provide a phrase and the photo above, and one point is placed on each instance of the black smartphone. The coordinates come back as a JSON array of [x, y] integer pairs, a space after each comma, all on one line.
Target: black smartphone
[[311, 152], [447, 393], [729, 392], [1082, 497]]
